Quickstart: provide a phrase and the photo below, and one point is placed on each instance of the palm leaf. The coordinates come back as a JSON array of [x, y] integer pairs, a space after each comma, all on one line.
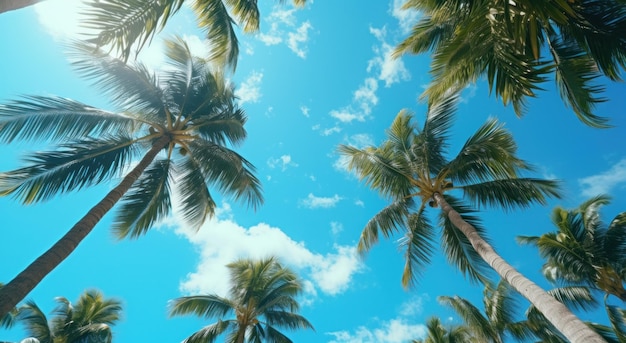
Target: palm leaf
[[457, 247], [511, 193], [214, 18], [55, 118], [478, 324], [201, 305], [73, 166], [146, 202], [388, 221], [124, 23], [209, 334], [418, 243], [275, 336], [35, 322], [196, 203], [287, 320], [618, 321], [228, 171]]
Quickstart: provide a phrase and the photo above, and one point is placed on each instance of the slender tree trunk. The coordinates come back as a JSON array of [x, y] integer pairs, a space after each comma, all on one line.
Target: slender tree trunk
[[10, 5], [14, 291], [575, 330]]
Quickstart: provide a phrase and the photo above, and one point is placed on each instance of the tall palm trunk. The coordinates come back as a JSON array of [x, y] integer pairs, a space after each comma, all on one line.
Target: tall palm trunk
[[560, 316], [10, 5], [30, 277]]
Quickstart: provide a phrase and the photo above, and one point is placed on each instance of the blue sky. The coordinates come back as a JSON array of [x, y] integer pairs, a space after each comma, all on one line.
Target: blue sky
[[310, 80]]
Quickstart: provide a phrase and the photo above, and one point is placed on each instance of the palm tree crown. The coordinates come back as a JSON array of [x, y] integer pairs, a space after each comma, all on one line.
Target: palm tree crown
[[261, 298], [127, 23], [182, 121], [518, 44], [411, 169], [89, 320]]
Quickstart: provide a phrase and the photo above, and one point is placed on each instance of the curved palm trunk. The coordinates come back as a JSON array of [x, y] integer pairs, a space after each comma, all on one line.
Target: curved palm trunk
[[561, 317], [14, 291], [10, 5]]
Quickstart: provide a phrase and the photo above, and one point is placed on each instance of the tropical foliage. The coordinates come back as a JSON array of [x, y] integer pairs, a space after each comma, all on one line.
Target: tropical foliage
[[123, 24], [88, 320], [519, 45], [261, 301], [411, 169], [587, 251], [436, 332], [180, 123]]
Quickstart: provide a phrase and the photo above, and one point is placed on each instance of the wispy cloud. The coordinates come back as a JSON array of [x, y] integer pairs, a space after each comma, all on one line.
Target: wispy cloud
[[406, 18], [396, 330], [605, 182], [390, 70], [312, 201], [281, 162], [336, 228], [221, 240], [250, 88], [381, 67], [284, 28], [305, 110]]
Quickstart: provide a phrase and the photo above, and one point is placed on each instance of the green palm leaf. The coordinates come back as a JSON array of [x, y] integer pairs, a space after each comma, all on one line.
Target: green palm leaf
[[35, 322], [73, 166], [201, 305], [56, 118], [197, 203], [209, 334], [471, 315], [388, 221], [512, 193], [418, 242], [146, 202]]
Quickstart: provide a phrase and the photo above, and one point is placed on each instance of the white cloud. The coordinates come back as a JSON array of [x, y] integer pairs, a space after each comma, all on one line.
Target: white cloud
[[606, 182], [301, 35], [283, 162], [61, 18], [390, 70], [329, 131], [305, 110], [284, 28], [406, 18], [313, 201], [336, 228], [221, 241], [250, 90], [396, 330], [359, 203], [392, 331]]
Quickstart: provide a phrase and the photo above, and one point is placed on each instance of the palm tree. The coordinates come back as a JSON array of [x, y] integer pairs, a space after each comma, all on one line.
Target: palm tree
[[586, 251], [9, 319], [506, 41], [89, 320], [11, 5], [411, 164], [123, 24], [180, 121], [438, 333], [261, 298]]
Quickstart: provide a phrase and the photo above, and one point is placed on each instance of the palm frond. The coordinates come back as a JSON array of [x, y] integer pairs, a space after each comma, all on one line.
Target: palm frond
[[511, 193], [287, 320], [388, 221], [228, 171], [216, 119], [576, 297], [418, 243], [247, 14], [379, 169], [123, 23], [457, 247], [133, 88], [576, 73], [209, 334], [55, 118], [35, 321], [477, 323], [207, 306], [196, 203], [617, 320], [490, 153], [274, 336], [73, 166], [146, 202], [214, 18]]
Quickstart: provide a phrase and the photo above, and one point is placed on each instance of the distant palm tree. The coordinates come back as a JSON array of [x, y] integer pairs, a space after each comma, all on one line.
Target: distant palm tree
[[518, 45], [89, 320], [181, 121], [127, 23], [411, 164], [586, 251], [438, 333], [261, 300]]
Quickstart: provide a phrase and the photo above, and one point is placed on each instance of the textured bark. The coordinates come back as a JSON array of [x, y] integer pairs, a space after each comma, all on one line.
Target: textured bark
[[10, 5], [14, 291], [575, 330]]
